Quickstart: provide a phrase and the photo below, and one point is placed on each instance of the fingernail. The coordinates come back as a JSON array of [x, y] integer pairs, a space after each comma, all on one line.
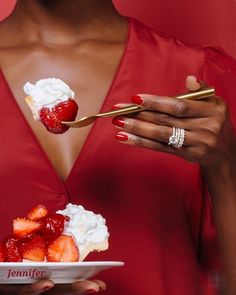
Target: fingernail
[[137, 99], [114, 108], [118, 122], [46, 288], [102, 288], [91, 291], [121, 137]]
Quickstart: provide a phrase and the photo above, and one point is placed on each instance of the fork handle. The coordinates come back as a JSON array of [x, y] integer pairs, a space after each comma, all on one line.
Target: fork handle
[[198, 94], [122, 111], [195, 95]]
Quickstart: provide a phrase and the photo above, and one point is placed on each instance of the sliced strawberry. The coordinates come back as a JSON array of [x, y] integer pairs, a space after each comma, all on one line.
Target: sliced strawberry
[[2, 252], [34, 248], [37, 212], [11, 249], [23, 227], [52, 226], [63, 249], [52, 118]]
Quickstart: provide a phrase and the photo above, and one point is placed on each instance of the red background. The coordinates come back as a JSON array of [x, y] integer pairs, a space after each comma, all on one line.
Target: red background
[[206, 22]]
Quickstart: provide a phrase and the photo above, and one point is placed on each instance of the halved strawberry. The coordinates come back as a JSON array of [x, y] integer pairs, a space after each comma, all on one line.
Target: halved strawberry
[[63, 249], [24, 226], [52, 118], [37, 212], [11, 249], [34, 248], [52, 226]]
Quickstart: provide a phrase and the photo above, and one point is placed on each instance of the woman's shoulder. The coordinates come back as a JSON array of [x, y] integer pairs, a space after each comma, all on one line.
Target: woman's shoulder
[[166, 49], [176, 49], [153, 37]]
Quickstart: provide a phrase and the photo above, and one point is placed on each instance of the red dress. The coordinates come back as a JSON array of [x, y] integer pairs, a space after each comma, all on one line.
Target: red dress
[[155, 204]]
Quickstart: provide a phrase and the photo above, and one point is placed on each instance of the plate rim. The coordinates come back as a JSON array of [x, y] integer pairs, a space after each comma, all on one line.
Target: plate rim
[[63, 264]]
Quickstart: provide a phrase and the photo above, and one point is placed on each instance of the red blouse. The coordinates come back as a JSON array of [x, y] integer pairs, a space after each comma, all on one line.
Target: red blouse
[[155, 204]]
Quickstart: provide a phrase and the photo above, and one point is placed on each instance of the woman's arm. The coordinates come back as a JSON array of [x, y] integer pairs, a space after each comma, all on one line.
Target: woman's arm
[[209, 140], [221, 182], [220, 178]]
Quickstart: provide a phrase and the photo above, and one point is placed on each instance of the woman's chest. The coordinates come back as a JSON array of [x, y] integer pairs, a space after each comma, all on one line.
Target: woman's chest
[[88, 72]]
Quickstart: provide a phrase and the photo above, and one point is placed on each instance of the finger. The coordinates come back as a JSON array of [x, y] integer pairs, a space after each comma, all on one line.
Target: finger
[[101, 284], [181, 108], [143, 142], [148, 130], [192, 84], [86, 286], [78, 287], [192, 153], [171, 121], [38, 287]]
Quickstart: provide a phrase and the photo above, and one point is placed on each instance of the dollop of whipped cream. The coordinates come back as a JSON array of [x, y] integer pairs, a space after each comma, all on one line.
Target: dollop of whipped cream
[[85, 226], [47, 93]]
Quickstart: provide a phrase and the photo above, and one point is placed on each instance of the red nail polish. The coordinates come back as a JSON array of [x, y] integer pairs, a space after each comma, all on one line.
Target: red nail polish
[[121, 137], [114, 108], [137, 99], [46, 288], [118, 122]]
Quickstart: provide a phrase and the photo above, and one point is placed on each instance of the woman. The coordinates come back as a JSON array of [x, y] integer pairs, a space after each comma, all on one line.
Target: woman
[[156, 204]]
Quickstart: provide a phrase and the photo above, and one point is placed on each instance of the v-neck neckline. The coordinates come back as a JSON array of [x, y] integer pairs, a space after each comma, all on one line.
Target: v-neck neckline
[[107, 96]]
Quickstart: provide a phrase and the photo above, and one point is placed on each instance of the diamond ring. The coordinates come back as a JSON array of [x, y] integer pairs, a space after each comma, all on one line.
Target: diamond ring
[[177, 138]]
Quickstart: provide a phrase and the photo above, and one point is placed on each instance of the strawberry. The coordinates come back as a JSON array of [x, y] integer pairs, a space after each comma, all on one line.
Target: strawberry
[[2, 252], [33, 248], [37, 212], [63, 249], [64, 111], [52, 226], [11, 249], [24, 226]]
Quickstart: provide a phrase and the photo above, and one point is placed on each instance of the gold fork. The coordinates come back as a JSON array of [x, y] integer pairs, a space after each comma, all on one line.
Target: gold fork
[[196, 95]]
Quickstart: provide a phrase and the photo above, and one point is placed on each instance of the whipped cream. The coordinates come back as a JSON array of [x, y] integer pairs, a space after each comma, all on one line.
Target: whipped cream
[[88, 229], [47, 93]]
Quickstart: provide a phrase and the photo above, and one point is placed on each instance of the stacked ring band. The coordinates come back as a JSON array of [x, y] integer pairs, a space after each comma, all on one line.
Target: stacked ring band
[[177, 138]]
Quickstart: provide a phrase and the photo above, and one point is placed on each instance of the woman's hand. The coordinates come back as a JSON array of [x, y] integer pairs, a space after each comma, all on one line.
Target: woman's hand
[[209, 140], [78, 287], [208, 129]]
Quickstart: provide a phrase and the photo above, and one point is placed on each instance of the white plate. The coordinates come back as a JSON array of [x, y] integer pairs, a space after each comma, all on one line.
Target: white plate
[[58, 272]]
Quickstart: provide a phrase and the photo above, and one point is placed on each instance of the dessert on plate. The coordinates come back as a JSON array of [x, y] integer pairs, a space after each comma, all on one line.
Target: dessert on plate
[[51, 102], [68, 235]]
